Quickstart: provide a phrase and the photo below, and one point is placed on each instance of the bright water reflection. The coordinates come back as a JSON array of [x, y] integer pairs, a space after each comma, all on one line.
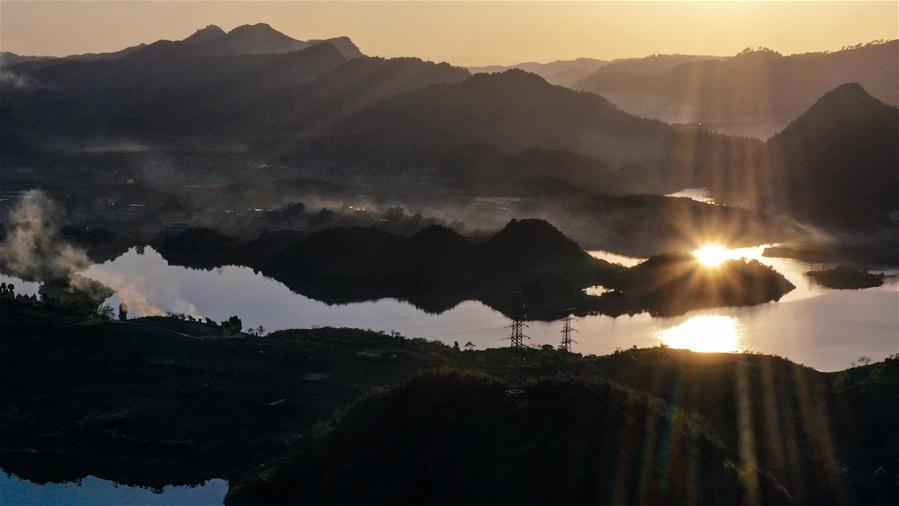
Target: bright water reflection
[[822, 328], [704, 333]]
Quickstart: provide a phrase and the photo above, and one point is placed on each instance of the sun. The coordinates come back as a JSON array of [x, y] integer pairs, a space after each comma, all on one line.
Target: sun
[[712, 255]]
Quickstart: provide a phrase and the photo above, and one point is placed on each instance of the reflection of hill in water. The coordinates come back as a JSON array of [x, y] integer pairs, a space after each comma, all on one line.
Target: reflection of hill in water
[[528, 269]]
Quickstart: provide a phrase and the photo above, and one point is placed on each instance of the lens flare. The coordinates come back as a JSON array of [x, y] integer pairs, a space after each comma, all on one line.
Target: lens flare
[[712, 255]]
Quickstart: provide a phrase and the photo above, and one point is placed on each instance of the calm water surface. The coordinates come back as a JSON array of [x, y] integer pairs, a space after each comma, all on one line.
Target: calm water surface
[[825, 329], [94, 491]]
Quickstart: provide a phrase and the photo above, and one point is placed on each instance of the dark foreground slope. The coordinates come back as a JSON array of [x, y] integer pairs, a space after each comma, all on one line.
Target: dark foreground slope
[[162, 401], [762, 431], [458, 439], [159, 401]]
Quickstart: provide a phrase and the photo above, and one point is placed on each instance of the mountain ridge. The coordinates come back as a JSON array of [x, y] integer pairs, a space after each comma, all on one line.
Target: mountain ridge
[[259, 38], [774, 88], [562, 72]]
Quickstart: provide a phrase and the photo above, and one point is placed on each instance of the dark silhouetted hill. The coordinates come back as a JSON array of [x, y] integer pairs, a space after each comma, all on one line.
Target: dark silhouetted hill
[[354, 86], [515, 111], [180, 91], [409, 118], [260, 38], [456, 439], [839, 161], [211, 40], [843, 277], [669, 285], [9, 59], [436, 268], [534, 246], [188, 95]]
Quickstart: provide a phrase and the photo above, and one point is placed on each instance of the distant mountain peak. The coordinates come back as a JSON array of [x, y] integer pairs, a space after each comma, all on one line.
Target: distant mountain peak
[[843, 149], [260, 33], [847, 91], [849, 100], [259, 38], [511, 76], [519, 231], [255, 28], [205, 35]]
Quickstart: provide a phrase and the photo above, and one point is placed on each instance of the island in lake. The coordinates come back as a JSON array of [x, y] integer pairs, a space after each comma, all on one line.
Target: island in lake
[[528, 269], [842, 277]]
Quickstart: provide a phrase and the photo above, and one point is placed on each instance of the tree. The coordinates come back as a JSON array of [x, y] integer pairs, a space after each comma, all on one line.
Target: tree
[[233, 324], [104, 313]]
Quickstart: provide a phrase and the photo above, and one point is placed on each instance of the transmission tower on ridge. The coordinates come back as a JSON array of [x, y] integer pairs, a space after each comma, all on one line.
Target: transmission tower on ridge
[[567, 341], [567, 329], [518, 337], [518, 325], [517, 357]]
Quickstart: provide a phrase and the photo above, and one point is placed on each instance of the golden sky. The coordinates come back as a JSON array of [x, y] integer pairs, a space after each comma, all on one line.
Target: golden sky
[[464, 33]]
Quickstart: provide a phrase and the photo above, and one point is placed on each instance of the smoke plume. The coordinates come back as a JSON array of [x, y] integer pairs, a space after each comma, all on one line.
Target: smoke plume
[[32, 248]]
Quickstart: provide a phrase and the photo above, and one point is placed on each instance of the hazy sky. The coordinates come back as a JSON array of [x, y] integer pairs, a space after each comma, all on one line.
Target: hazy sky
[[463, 33]]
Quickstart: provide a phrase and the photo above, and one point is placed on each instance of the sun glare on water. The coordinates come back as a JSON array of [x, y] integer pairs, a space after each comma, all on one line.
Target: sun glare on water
[[708, 333]]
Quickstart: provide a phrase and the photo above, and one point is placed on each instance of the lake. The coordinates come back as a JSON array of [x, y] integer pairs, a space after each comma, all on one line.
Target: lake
[[819, 327], [94, 491], [812, 325]]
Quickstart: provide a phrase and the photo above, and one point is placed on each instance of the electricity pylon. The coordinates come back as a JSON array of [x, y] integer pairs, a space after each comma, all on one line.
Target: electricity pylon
[[518, 337], [567, 341], [567, 329], [516, 344]]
